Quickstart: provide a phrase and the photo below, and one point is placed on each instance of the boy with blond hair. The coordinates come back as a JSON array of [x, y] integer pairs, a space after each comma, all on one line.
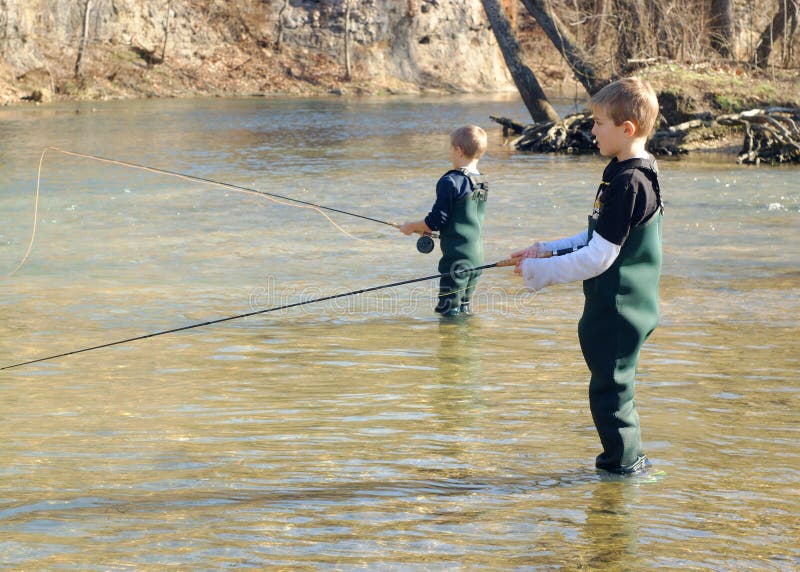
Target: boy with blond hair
[[619, 260], [457, 215]]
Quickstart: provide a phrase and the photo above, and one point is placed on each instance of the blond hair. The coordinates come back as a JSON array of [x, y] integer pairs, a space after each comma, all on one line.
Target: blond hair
[[629, 99], [471, 139]]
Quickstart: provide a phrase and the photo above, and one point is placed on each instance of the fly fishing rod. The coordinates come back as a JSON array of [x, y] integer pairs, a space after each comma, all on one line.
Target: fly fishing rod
[[507, 262], [423, 246]]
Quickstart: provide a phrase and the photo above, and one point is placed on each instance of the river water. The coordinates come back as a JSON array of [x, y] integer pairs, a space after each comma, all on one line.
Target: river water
[[364, 432]]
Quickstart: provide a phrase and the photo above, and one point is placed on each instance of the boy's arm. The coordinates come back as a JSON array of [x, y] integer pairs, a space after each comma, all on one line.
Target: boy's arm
[[588, 262], [545, 249], [440, 211], [579, 240], [613, 226]]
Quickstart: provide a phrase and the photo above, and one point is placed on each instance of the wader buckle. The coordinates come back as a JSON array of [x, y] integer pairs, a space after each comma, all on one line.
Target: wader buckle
[[480, 188]]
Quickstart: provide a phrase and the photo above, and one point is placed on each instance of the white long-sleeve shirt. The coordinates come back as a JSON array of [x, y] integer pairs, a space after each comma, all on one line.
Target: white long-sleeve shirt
[[596, 256]]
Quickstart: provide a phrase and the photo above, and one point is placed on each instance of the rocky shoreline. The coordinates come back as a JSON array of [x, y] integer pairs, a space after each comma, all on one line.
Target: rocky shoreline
[[146, 49], [55, 50]]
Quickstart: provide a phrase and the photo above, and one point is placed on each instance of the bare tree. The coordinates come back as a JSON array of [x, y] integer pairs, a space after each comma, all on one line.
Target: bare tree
[[631, 27], [720, 26], [166, 30], [786, 17], [597, 20], [3, 26], [529, 88], [791, 35], [82, 45], [665, 45], [562, 39], [347, 71], [279, 39]]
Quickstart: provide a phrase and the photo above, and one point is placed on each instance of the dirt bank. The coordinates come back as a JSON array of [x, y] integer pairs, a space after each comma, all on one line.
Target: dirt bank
[[55, 50], [184, 48]]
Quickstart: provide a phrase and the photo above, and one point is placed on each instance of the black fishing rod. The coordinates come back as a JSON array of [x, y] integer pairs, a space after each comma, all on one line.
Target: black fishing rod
[[507, 262], [424, 245]]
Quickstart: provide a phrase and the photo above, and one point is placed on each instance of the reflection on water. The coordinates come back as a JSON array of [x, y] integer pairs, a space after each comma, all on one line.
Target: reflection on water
[[365, 431], [610, 528]]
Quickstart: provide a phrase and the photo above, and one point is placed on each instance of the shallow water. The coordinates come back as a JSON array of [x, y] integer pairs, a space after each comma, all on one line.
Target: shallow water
[[364, 432]]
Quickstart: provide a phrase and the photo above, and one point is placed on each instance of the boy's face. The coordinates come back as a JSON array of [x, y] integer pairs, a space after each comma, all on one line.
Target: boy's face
[[613, 140]]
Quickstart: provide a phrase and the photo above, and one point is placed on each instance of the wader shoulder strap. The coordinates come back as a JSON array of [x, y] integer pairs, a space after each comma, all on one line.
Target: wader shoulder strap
[[478, 183], [644, 166]]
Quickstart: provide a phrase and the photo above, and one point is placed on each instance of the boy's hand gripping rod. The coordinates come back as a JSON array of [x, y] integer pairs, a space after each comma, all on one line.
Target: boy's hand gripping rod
[[507, 262]]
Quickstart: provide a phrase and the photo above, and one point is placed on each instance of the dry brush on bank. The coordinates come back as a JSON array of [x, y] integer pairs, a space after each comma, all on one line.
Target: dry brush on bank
[[601, 39]]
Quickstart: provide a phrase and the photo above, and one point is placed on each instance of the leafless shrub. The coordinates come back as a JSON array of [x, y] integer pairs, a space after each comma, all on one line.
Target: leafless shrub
[[623, 34]]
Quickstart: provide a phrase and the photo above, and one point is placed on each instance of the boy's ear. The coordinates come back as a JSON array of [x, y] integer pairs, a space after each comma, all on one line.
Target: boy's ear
[[630, 128]]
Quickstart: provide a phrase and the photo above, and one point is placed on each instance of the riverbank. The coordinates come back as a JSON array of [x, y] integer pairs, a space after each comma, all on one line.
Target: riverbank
[[143, 49], [254, 56], [685, 89], [56, 50]]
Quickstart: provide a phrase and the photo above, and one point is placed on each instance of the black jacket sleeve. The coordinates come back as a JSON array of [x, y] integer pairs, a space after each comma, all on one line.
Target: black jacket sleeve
[[446, 192]]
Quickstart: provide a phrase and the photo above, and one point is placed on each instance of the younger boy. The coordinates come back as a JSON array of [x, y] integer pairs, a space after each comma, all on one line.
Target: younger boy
[[457, 214], [619, 260]]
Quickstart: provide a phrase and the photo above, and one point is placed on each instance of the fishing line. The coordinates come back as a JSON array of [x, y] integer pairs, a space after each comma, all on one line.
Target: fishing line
[[276, 198], [35, 218], [507, 262]]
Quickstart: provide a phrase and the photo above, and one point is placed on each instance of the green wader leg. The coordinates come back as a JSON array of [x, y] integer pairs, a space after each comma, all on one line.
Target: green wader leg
[[620, 313], [455, 290], [448, 295], [611, 394], [467, 296]]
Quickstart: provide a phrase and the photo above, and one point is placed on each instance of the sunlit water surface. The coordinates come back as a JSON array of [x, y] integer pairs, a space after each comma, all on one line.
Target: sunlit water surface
[[364, 431]]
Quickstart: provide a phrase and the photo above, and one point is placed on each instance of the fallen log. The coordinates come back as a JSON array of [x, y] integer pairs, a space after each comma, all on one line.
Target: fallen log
[[569, 135], [509, 125], [770, 135]]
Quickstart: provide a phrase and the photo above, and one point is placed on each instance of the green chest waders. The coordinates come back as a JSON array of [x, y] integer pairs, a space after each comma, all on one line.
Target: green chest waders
[[620, 312], [462, 247]]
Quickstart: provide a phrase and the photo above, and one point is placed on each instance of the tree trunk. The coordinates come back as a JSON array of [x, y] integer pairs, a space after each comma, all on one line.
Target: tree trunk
[[166, 31], [279, 35], [532, 94], [347, 71], [721, 27], [787, 14], [577, 59], [84, 35], [788, 44], [664, 45], [630, 29], [3, 27], [596, 25]]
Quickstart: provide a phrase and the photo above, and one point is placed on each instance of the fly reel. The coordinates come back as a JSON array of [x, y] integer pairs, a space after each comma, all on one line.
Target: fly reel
[[425, 244]]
